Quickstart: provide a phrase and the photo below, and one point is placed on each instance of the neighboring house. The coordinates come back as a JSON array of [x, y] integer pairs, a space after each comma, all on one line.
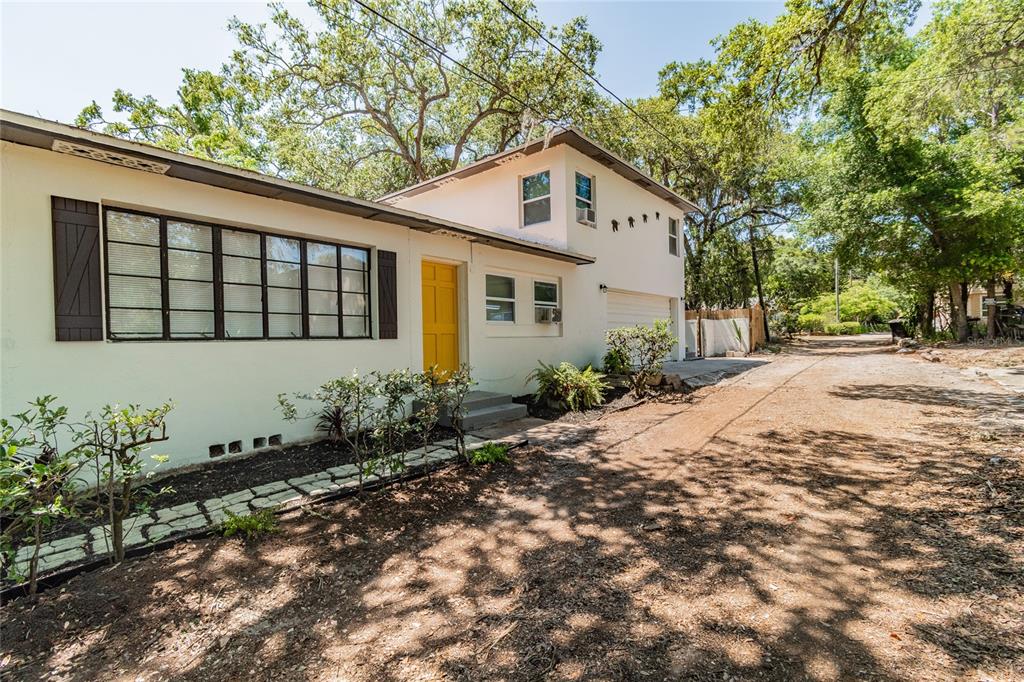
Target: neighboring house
[[134, 274]]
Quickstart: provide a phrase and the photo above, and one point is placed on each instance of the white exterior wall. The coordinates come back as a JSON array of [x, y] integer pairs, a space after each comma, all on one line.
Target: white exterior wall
[[491, 200], [225, 390], [631, 260]]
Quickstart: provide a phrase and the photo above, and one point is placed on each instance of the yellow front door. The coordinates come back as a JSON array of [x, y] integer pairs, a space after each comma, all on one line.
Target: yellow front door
[[440, 316]]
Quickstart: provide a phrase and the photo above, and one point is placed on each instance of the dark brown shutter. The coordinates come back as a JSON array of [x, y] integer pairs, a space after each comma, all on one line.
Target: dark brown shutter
[[387, 294], [76, 270]]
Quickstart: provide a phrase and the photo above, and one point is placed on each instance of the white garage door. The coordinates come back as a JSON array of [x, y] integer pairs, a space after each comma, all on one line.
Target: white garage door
[[627, 310]]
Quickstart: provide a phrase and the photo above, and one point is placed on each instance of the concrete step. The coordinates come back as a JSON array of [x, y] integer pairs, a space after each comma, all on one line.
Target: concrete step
[[480, 399], [492, 414]]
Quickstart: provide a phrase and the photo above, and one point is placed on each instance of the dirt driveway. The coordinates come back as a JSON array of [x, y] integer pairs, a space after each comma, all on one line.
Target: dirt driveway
[[838, 513]]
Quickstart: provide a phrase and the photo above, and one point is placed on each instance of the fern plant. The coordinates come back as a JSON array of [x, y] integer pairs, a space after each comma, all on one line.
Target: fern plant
[[568, 387]]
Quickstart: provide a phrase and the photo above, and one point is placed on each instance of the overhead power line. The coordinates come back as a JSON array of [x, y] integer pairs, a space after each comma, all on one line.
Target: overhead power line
[[587, 73], [442, 53]]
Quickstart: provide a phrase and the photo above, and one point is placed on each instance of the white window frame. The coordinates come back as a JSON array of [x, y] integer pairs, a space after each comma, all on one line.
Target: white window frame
[[592, 201], [523, 202], [502, 299], [546, 304], [673, 237]]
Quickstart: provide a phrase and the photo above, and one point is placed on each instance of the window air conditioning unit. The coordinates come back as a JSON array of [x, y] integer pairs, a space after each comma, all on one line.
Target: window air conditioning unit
[[586, 215], [545, 315]]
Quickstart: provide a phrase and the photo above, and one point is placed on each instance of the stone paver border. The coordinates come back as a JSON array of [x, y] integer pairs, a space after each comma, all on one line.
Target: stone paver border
[[188, 518]]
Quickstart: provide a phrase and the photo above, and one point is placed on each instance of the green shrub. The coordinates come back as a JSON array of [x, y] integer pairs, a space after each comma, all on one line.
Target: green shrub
[[645, 347], [864, 302], [811, 323], [616, 361], [843, 328], [489, 453], [567, 387], [251, 526]]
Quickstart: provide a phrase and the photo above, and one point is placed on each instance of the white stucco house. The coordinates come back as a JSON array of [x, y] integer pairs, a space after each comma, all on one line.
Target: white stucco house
[[131, 274]]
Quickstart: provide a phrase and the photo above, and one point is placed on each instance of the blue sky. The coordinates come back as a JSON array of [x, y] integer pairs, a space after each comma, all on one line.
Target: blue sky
[[57, 57]]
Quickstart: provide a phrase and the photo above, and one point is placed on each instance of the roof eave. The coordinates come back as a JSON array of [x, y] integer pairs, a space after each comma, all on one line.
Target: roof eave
[[31, 131]]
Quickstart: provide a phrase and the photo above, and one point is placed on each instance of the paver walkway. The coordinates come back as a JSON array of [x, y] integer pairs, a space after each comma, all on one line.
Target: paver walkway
[[161, 524]]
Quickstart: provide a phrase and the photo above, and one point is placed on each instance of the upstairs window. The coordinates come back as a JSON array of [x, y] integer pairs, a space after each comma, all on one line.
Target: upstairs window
[[536, 198], [586, 206], [501, 298], [673, 236]]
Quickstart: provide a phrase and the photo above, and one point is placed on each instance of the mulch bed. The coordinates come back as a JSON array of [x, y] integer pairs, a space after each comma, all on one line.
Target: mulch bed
[[228, 475]]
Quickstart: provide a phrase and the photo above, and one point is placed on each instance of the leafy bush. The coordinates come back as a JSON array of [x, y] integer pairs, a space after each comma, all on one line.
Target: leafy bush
[[345, 412], [843, 328], [36, 480], [391, 423], [489, 453], [251, 526], [783, 323], [811, 323], [116, 440], [616, 361], [646, 348], [864, 302], [567, 387], [457, 386]]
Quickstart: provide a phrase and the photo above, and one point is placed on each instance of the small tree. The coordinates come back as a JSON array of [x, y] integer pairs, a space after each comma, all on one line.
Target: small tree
[[432, 399], [116, 441], [346, 406], [391, 424], [36, 480], [457, 386], [646, 348]]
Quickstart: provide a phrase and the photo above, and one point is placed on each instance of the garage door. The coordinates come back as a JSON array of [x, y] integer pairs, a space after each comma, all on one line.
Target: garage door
[[628, 310]]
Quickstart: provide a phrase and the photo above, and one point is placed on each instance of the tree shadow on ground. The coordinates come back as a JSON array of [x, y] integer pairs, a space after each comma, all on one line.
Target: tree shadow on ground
[[778, 560]]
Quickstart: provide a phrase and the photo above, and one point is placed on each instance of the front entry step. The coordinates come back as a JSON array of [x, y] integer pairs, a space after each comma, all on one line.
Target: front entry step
[[484, 408]]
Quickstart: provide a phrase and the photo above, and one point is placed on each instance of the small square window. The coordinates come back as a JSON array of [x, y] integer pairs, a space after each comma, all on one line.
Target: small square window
[[545, 294], [501, 298]]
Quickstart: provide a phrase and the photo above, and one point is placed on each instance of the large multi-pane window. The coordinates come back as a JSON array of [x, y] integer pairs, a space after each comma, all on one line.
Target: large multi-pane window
[[174, 279]]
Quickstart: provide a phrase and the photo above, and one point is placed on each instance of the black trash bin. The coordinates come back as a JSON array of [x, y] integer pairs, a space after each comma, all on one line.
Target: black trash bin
[[898, 329]]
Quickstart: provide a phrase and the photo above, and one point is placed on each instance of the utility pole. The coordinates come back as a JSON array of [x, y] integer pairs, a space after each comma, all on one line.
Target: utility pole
[[757, 278], [837, 289]]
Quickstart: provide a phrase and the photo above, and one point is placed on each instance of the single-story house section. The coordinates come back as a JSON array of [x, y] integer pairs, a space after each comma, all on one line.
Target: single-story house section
[[131, 274]]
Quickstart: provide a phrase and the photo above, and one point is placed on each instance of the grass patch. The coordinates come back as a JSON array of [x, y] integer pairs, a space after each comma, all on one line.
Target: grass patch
[[250, 526], [489, 453]]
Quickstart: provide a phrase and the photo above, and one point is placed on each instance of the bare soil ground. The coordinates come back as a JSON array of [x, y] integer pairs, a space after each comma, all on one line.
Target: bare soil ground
[[838, 513], [980, 355]]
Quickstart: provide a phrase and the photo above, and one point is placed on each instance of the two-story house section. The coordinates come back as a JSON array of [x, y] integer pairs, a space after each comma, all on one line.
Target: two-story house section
[[566, 191]]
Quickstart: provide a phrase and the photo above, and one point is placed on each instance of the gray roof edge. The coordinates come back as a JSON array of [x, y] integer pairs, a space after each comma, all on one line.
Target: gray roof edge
[[556, 137], [371, 210]]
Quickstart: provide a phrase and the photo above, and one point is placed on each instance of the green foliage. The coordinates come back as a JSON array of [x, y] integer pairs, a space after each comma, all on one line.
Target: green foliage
[[843, 328], [616, 361], [457, 386], [36, 480], [116, 440], [795, 272], [813, 323], [344, 411], [391, 420], [646, 347], [251, 526], [489, 453], [351, 103], [567, 387], [864, 302]]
